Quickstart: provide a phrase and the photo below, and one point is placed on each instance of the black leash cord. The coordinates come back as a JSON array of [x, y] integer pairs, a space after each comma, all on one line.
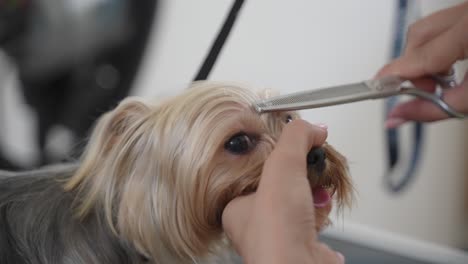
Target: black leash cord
[[218, 44]]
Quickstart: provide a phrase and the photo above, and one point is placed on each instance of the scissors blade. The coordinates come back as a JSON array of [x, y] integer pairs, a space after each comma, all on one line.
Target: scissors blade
[[342, 94]]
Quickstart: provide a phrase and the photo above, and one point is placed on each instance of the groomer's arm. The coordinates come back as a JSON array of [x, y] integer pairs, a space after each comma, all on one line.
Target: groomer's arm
[[434, 44], [276, 224]]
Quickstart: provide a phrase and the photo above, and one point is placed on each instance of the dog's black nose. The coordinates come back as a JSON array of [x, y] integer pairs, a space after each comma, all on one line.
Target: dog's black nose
[[316, 159]]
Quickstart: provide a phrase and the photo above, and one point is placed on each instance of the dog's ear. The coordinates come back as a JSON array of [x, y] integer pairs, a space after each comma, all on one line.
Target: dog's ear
[[115, 123], [103, 147], [125, 115]]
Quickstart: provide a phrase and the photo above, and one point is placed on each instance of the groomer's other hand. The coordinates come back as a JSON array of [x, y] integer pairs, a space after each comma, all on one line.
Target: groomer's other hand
[[434, 44], [276, 224]]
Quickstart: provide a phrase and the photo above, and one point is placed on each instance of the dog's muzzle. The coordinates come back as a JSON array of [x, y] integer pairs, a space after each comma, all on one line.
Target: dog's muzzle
[[316, 159]]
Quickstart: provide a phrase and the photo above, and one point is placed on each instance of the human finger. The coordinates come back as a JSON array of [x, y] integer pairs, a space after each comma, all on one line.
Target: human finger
[[433, 25]]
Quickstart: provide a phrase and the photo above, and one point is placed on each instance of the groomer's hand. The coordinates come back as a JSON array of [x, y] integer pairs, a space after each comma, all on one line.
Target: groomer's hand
[[434, 44], [276, 224]]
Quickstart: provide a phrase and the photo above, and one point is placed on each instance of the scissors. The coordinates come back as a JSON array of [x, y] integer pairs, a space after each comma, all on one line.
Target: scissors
[[370, 89]]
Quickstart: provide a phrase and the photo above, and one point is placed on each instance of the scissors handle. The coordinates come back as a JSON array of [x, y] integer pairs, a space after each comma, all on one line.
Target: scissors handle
[[446, 80], [434, 98]]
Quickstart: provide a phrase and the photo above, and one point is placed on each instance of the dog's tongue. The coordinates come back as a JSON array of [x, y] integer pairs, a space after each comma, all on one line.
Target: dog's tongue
[[321, 197]]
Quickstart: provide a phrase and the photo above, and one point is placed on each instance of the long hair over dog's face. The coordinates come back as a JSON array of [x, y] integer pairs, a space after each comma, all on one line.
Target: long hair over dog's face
[[163, 172]]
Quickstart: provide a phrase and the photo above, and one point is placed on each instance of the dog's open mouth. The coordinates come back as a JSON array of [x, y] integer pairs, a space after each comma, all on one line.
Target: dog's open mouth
[[322, 187], [319, 175], [322, 196]]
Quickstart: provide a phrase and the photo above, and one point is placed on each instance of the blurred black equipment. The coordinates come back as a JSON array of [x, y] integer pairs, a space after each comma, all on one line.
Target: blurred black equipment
[[75, 59]]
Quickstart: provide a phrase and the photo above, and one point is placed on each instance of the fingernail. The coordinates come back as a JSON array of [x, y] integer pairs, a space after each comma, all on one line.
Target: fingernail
[[394, 122], [340, 257], [322, 126]]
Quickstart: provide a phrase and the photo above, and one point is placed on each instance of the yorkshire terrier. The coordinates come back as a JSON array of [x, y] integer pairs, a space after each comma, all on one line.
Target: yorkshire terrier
[[153, 182]]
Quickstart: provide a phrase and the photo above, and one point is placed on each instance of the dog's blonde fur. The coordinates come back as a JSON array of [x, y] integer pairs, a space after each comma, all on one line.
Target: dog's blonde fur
[[146, 167], [160, 173]]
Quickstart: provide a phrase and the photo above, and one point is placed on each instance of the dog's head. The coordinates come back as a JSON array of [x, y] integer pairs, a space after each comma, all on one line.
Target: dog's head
[[162, 173]]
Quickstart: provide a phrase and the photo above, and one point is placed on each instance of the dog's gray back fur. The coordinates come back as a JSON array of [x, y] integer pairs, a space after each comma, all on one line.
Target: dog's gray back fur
[[37, 225]]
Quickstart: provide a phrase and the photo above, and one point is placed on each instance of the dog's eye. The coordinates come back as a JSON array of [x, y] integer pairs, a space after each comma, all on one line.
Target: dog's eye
[[240, 143], [288, 118]]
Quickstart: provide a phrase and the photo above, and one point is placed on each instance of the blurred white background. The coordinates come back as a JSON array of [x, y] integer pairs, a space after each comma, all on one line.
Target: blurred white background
[[294, 45]]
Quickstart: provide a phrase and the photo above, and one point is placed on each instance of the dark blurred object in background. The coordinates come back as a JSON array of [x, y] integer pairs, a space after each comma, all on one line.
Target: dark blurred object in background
[[75, 60]]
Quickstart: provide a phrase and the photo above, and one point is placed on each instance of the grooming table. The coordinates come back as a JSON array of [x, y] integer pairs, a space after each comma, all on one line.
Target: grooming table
[[46, 170], [364, 245]]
